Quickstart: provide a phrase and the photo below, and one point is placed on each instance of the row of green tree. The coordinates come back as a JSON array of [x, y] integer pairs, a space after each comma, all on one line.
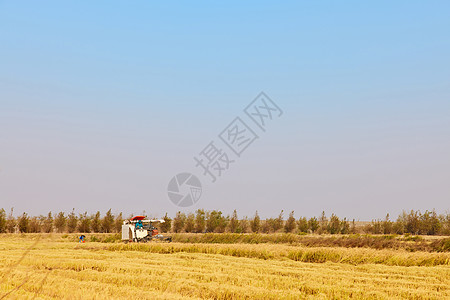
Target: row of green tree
[[61, 222], [414, 222]]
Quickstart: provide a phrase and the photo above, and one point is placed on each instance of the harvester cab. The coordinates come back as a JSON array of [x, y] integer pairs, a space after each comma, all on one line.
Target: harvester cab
[[139, 229]]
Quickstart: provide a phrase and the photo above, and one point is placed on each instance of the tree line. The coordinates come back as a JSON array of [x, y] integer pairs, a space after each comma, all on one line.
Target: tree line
[[61, 222], [414, 222]]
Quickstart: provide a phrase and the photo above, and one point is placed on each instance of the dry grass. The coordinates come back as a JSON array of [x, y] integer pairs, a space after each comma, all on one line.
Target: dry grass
[[57, 267], [297, 253], [409, 243]]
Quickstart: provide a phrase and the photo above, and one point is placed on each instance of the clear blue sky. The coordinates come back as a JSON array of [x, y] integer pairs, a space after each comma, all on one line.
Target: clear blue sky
[[102, 103]]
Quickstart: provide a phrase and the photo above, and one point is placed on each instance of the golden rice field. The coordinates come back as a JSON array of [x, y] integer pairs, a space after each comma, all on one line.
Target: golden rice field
[[57, 267]]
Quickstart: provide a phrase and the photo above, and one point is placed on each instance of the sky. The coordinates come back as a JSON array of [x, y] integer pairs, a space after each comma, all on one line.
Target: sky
[[103, 103]]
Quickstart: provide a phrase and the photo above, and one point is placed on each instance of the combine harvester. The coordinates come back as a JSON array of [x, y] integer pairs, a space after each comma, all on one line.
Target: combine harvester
[[138, 229]]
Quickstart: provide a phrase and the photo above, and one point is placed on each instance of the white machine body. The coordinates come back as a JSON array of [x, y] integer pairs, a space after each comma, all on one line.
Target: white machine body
[[136, 230]]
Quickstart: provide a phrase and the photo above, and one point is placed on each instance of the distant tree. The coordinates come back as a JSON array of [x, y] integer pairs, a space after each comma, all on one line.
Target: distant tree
[[345, 226], [215, 221], [399, 225], [189, 225], [47, 223], [24, 223], [243, 225], [167, 225], [11, 222], [84, 224], [353, 228], [108, 222], [118, 222], [60, 222], [35, 224], [72, 222], [267, 225], [40, 223], [445, 223], [290, 225], [436, 224], [429, 223], [323, 223], [376, 227], [313, 224], [334, 226], [277, 224], [387, 225], [255, 223], [200, 220], [96, 222], [302, 224], [179, 222], [222, 223], [413, 222], [233, 225], [2, 221]]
